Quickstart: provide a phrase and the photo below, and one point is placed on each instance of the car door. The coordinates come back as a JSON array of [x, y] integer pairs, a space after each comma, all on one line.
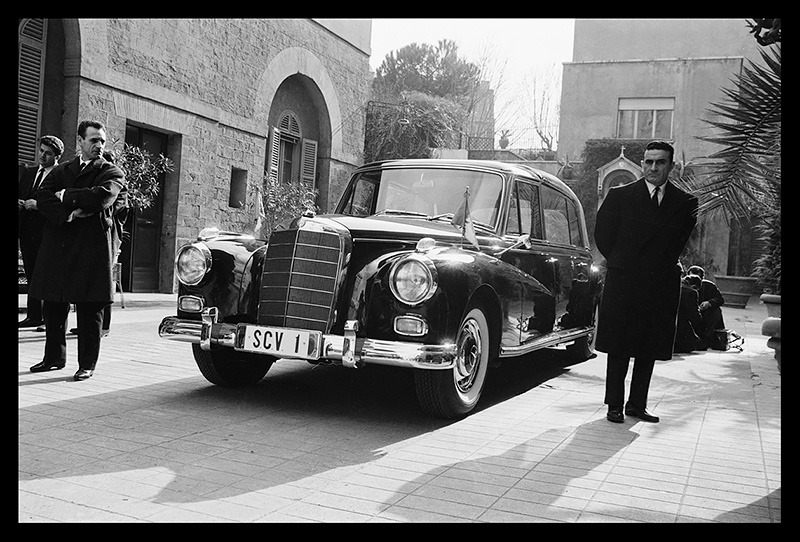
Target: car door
[[537, 310], [571, 264]]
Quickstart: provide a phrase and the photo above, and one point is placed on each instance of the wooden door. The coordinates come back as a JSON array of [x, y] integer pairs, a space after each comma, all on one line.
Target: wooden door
[[140, 252]]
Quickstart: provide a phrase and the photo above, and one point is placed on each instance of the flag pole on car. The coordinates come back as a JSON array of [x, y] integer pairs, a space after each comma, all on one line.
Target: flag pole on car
[[463, 221]]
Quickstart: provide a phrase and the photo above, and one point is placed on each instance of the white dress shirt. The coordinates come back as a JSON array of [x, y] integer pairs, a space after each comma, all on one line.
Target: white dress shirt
[[651, 188]]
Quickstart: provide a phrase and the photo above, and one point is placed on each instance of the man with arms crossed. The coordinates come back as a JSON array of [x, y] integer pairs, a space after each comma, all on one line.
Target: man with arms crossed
[[78, 247]]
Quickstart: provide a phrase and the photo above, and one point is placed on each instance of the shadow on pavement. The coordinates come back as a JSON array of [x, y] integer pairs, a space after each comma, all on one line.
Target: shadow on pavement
[[298, 422]]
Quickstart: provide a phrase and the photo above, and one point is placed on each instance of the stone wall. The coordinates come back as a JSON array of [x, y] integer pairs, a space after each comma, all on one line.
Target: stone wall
[[209, 84]]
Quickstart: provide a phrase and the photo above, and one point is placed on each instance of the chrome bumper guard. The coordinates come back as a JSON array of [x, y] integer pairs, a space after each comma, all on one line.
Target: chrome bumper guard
[[348, 349]]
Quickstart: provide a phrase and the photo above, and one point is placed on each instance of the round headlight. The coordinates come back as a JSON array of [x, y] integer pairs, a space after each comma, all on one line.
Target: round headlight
[[192, 263], [413, 279]]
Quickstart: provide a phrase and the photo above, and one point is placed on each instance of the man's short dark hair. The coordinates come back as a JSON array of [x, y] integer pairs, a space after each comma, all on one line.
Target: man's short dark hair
[[697, 270], [97, 125], [54, 142], [662, 146]]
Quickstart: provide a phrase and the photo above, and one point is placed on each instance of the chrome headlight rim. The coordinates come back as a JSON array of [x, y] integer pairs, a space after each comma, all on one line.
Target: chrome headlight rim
[[428, 269], [203, 261]]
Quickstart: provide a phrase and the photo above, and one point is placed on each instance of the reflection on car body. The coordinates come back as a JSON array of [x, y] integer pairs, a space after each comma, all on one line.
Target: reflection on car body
[[387, 279]]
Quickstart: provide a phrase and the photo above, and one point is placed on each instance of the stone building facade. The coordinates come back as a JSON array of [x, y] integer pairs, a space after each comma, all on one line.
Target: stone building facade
[[227, 100]]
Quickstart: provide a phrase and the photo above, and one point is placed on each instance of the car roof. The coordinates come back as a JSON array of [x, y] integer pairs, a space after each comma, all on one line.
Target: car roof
[[501, 167]]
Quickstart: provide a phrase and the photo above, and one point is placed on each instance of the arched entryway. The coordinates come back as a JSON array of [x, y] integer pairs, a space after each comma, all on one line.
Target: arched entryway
[[296, 82], [615, 173]]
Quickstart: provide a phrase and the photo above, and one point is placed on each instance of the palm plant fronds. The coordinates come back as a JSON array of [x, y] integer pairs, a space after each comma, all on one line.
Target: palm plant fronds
[[743, 177]]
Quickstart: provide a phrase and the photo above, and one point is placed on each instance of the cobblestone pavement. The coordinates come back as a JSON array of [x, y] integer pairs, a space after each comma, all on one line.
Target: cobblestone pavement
[[148, 439]]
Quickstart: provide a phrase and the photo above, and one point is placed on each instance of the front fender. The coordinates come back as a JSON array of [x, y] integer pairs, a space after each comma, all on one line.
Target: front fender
[[462, 275], [231, 285]]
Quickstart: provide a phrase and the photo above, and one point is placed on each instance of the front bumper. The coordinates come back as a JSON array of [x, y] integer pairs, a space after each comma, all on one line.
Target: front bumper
[[348, 349]]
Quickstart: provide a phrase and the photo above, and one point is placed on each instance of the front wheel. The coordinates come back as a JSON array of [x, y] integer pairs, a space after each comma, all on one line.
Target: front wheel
[[455, 392], [231, 369]]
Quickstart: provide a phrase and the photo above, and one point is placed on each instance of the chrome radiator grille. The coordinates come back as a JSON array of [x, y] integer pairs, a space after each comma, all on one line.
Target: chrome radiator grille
[[298, 286]]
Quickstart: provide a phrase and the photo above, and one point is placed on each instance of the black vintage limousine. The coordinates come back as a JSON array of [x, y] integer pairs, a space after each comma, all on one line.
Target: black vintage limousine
[[396, 277]]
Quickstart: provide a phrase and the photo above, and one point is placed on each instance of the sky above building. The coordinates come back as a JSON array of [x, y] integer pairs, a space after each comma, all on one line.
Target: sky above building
[[512, 52]]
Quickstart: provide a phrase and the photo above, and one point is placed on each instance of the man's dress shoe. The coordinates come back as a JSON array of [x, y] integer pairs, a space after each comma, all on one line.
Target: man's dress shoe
[[83, 374], [44, 366], [615, 415], [27, 322], [641, 413]]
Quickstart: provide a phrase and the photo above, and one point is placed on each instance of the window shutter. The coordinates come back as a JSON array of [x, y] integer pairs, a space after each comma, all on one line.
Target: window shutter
[[273, 154], [308, 162], [30, 76], [289, 125]]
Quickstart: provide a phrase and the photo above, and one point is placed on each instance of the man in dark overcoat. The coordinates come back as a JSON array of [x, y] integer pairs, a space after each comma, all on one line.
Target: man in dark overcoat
[[31, 221], [641, 240], [79, 242]]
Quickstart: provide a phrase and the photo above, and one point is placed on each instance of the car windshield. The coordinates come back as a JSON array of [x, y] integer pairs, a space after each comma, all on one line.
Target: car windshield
[[428, 193]]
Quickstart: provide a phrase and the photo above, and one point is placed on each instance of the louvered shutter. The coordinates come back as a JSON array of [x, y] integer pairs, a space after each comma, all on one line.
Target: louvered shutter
[[30, 76], [273, 154], [289, 125], [308, 162]]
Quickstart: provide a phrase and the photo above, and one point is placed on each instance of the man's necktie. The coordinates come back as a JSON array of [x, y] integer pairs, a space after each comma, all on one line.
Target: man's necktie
[[655, 197], [38, 180]]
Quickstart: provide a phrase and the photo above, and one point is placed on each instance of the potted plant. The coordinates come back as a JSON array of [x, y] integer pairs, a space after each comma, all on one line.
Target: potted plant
[[280, 202], [142, 172], [504, 138]]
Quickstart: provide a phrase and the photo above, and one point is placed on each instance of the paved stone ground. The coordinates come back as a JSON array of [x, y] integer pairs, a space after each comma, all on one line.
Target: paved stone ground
[[147, 439]]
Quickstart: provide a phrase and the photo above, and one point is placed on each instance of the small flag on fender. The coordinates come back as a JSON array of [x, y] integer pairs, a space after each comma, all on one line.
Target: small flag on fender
[[463, 221]]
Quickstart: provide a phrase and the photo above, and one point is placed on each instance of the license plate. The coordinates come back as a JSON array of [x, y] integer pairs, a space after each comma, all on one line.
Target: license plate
[[280, 341]]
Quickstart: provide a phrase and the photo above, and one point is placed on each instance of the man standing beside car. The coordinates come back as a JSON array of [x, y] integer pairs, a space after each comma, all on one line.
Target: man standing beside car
[[641, 229], [78, 246], [31, 221]]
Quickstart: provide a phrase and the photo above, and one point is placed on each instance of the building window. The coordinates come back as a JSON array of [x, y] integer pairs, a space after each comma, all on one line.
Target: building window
[[645, 118], [291, 158], [287, 160], [238, 192]]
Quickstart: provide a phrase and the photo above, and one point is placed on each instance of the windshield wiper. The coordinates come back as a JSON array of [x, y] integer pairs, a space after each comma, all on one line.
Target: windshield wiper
[[449, 216], [476, 223], [398, 212]]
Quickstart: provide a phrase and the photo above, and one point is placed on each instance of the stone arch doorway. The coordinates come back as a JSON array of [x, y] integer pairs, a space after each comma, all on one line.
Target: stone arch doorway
[[299, 139], [296, 77]]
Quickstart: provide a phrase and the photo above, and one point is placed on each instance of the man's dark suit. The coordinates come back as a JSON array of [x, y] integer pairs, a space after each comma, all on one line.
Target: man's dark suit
[[75, 260], [642, 287], [689, 326], [712, 314], [31, 223]]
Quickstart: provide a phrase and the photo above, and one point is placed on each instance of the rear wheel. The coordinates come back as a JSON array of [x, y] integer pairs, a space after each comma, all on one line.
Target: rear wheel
[[231, 369], [583, 348], [455, 392]]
